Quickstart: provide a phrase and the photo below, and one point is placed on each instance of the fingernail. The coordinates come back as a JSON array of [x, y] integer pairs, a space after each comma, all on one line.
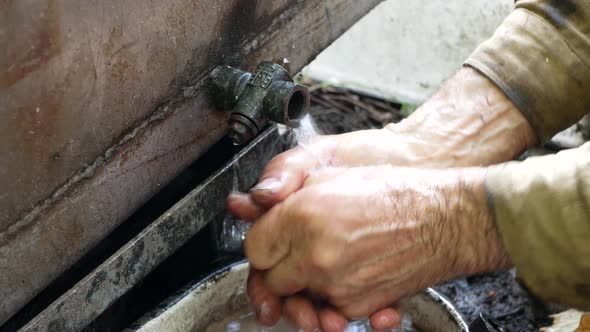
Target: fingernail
[[263, 312], [270, 184], [384, 321], [236, 195]]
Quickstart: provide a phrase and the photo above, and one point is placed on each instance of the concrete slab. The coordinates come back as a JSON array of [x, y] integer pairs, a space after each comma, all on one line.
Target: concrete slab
[[404, 50]]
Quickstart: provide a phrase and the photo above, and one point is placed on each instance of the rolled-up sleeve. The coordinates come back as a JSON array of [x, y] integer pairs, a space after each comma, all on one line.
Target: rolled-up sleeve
[[542, 209], [540, 58]]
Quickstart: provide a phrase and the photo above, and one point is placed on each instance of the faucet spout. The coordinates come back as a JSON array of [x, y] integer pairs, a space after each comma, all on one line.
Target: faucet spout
[[269, 94]]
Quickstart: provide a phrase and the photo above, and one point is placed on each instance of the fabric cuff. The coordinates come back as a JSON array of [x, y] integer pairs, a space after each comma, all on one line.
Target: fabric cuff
[[542, 210], [529, 60]]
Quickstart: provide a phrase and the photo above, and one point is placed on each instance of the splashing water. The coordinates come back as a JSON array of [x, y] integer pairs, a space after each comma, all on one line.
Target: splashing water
[[305, 135], [306, 131], [248, 323]]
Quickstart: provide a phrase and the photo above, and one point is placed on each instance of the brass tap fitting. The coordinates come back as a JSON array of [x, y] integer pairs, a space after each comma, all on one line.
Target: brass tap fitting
[[269, 94]]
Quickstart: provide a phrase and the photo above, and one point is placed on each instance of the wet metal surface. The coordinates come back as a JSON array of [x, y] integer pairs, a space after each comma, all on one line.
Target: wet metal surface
[[102, 103], [269, 94], [91, 296]]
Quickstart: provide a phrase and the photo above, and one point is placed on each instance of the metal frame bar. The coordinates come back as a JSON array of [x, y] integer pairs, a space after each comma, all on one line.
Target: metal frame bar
[[127, 267]]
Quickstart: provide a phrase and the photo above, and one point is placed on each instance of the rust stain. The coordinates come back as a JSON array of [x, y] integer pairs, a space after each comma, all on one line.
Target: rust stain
[[36, 123], [115, 34], [176, 22], [121, 63], [123, 80], [5, 3], [265, 8], [119, 70], [125, 156], [121, 74], [44, 44]]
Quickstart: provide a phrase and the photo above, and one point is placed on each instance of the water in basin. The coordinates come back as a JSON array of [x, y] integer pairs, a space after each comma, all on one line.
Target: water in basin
[[246, 322]]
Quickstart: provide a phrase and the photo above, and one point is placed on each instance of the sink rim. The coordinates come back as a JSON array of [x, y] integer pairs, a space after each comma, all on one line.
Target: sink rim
[[236, 274]]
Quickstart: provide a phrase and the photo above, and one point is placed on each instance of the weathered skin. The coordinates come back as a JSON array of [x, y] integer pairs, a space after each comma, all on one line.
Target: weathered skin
[[539, 59], [475, 113], [365, 237]]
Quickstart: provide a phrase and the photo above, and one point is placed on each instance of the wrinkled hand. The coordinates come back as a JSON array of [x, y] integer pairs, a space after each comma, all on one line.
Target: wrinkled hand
[[284, 175], [468, 122], [363, 238]]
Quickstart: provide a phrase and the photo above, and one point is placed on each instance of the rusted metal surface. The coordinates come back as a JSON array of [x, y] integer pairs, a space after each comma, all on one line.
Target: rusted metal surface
[[75, 75], [91, 296], [269, 94], [102, 102]]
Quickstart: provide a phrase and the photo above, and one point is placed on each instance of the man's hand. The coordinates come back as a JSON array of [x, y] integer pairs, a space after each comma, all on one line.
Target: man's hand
[[468, 122], [363, 238]]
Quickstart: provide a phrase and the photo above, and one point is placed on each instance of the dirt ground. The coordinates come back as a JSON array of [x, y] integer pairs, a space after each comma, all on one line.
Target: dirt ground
[[500, 297], [496, 295]]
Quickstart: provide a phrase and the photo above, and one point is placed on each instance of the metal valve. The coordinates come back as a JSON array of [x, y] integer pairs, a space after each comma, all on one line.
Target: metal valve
[[269, 94]]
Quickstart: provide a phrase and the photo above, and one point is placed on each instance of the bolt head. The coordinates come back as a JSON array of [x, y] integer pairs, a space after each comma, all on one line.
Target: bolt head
[[239, 128], [235, 138], [240, 133]]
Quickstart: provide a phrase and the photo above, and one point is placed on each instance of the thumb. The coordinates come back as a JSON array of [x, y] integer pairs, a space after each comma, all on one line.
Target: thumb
[[275, 188], [242, 206], [386, 319], [286, 174], [267, 242]]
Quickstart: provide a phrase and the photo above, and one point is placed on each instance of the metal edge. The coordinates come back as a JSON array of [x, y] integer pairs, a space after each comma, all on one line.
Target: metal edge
[[128, 266], [454, 314], [176, 298]]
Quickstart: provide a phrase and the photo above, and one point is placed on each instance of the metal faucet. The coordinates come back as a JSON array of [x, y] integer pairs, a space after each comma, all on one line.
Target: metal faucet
[[269, 94]]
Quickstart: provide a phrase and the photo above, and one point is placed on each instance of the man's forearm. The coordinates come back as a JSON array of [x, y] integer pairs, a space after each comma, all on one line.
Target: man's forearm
[[469, 122]]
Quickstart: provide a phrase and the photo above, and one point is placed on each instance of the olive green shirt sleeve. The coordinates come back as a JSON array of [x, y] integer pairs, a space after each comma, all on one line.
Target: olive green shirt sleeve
[[540, 58], [542, 209]]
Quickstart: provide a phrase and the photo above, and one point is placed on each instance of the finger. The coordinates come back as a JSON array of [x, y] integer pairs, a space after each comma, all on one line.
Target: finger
[[363, 308], [266, 305], [242, 206], [284, 175], [377, 299], [332, 321], [268, 242], [286, 278], [274, 190], [386, 319], [301, 312]]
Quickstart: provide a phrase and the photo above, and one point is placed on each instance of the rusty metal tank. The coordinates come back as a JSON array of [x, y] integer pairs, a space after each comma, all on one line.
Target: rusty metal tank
[[102, 103]]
